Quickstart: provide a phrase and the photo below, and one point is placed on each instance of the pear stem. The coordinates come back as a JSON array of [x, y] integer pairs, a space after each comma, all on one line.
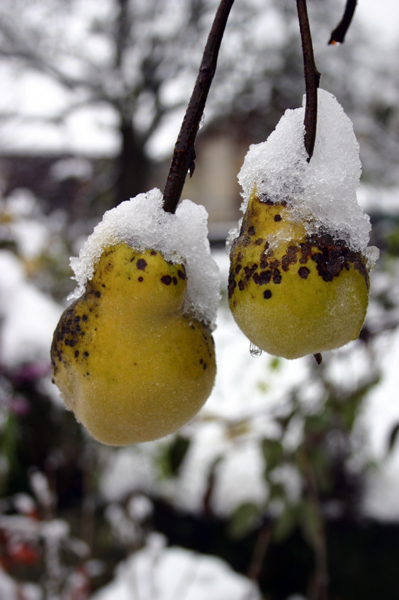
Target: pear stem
[[338, 35], [318, 358], [312, 78], [184, 153]]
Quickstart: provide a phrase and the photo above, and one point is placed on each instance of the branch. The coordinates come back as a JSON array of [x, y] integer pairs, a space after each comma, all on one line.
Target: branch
[[338, 35], [184, 154], [312, 78]]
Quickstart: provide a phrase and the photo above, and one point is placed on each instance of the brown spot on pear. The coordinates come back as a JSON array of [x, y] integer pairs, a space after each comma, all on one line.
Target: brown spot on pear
[[309, 310]]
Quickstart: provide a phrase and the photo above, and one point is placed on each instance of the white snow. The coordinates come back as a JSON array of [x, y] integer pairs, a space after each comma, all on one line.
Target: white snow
[[239, 479], [181, 237], [160, 573], [380, 200], [322, 193], [19, 222], [379, 415], [127, 470], [28, 317]]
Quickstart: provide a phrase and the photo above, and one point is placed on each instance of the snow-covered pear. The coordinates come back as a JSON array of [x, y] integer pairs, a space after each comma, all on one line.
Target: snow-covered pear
[[133, 355], [127, 360], [292, 293], [300, 261]]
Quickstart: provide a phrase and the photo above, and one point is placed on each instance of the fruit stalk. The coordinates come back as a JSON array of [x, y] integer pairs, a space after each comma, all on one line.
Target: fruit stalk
[[312, 78], [184, 153]]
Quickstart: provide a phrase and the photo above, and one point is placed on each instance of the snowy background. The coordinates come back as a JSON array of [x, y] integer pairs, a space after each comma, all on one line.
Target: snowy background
[[284, 453]]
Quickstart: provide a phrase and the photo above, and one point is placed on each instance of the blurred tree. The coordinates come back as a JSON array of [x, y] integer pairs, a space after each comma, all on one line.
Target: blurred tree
[[139, 59], [121, 54]]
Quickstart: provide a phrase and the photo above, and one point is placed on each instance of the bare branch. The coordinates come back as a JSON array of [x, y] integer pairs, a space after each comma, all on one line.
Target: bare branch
[[338, 35], [184, 154]]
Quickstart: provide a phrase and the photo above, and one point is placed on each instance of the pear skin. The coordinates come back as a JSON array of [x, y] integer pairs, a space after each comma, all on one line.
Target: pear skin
[[290, 293], [126, 359]]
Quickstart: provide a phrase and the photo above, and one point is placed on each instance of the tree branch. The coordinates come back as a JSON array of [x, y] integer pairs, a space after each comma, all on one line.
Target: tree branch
[[338, 35], [184, 154], [312, 78]]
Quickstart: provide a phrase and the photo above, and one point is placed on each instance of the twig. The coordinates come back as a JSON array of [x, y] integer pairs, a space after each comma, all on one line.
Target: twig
[[338, 35], [312, 78], [184, 154]]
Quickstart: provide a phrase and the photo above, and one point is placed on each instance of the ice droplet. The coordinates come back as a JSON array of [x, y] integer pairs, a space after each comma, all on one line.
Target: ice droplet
[[202, 121], [254, 351]]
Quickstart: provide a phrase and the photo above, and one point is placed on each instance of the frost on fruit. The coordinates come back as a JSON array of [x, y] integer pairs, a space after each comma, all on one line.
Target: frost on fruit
[[299, 275], [142, 223], [133, 356]]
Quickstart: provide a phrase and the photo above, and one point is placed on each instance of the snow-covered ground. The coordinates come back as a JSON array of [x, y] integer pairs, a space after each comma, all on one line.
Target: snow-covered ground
[[160, 573]]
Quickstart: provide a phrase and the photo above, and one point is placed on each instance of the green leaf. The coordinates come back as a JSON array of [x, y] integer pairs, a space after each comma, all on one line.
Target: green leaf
[[275, 363], [276, 491], [285, 524], [273, 452], [244, 520], [171, 457], [177, 452]]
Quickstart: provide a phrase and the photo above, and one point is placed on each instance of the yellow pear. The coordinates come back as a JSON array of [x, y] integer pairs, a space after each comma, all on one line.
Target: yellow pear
[[127, 360], [290, 293]]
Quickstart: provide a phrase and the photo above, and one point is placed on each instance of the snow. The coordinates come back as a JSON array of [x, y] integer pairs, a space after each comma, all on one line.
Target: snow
[[34, 103], [128, 470], [65, 168], [139, 508], [239, 479], [160, 573], [19, 223], [28, 317], [380, 200], [379, 415], [321, 193], [382, 24], [182, 237]]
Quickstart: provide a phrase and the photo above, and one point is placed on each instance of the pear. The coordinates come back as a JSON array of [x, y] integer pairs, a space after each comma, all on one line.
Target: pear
[[290, 293], [128, 361]]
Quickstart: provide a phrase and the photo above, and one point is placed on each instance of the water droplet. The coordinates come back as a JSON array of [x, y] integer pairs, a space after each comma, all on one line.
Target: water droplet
[[201, 124], [254, 351]]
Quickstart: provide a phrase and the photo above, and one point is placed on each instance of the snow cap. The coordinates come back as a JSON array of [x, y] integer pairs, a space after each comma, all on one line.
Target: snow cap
[[322, 193], [142, 223]]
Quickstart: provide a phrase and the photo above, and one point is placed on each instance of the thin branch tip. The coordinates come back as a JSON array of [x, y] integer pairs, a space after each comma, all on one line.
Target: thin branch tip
[[338, 35]]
